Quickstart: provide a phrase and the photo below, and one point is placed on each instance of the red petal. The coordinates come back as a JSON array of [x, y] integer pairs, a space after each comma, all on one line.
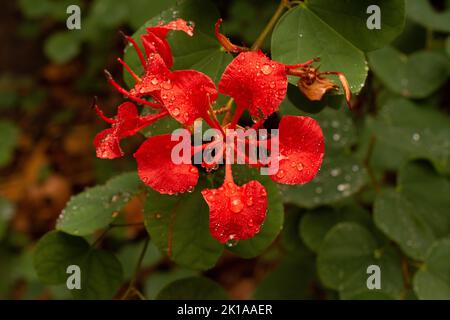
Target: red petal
[[157, 170], [255, 82], [153, 44], [107, 145], [301, 150], [188, 94], [156, 75], [236, 213], [127, 123], [179, 25], [155, 39]]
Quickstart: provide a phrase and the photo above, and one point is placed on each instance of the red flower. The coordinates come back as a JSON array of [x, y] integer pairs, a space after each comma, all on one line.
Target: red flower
[[257, 84], [127, 123]]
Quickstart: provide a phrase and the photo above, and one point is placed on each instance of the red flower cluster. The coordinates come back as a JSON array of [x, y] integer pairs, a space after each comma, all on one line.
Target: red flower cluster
[[255, 82]]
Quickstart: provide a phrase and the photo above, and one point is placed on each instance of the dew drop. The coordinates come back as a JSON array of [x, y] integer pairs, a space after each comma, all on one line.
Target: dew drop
[[249, 202], [236, 205], [335, 172], [167, 85], [280, 174], [355, 168], [176, 112], [158, 216], [193, 170], [266, 69], [300, 166], [155, 81], [336, 137], [190, 189], [415, 137]]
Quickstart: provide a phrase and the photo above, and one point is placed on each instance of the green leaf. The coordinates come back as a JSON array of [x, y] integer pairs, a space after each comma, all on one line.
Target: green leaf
[[142, 10], [275, 213], [315, 224], [179, 227], [432, 281], [194, 288], [201, 52], [421, 11], [9, 134], [417, 214], [346, 252], [94, 208], [62, 47], [447, 46], [414, 76], [290, 280], [406, 131], [301, 35], [326, 28], [101, 272], [340, 177]]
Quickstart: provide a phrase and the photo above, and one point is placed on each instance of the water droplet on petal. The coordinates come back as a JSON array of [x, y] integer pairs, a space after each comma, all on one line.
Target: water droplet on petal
[[155, 81], [415, 137], [280, 174], [266, 69], [249, 202], [176, 111], [300, 166], [236, 205]]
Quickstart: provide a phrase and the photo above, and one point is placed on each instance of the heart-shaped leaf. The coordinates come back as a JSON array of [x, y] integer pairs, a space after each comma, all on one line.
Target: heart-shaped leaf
[[326, 29], [414, 76], [100, 272], [417, 214], [344, 256]]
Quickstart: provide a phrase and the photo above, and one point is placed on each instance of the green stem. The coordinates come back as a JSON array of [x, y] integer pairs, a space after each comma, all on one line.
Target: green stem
[[262, 37], [131, 286]]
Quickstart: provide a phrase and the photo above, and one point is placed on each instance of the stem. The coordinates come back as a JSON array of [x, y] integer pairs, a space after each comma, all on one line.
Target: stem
[[368, 165], [228, 173], [131, 286], [260, 40]]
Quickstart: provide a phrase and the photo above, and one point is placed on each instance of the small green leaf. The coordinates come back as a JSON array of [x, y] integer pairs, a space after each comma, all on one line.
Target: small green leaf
[[179, 227], [344, 256], [194, 288], [416, 215], [94, 208], [432, 281], [414, 76], [340, 177], [9, 134], [62, 47], [315, 224], [101, 272]]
